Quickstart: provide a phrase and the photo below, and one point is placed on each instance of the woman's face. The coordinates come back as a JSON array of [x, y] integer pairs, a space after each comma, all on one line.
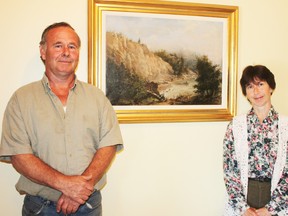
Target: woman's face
[[259, 93]]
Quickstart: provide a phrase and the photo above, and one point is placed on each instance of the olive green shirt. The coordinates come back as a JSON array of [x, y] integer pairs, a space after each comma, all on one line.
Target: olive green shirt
[[36, 123]]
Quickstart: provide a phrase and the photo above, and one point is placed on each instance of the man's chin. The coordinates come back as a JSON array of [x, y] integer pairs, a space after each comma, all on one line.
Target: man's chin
[[66, 72]]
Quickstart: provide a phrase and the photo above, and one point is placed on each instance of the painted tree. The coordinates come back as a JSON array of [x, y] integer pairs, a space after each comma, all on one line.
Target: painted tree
[[208, 87]]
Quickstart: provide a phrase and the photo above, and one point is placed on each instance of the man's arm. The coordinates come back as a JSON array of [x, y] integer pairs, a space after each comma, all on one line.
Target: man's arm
[[100, 163], [97, 168], [78, 188]]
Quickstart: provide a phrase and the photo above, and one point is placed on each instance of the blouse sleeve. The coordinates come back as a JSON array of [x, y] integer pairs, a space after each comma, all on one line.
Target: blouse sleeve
[[232, 174], [279, 198]]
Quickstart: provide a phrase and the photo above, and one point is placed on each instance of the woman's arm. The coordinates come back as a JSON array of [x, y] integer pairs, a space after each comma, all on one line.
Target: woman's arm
[[232, 176]]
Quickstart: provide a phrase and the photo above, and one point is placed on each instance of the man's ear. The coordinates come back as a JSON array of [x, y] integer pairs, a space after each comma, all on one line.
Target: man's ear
[[42, 49]]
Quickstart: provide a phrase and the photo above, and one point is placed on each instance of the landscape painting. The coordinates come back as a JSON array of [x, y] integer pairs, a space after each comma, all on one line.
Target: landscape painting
[[158, 66], [164, 61]]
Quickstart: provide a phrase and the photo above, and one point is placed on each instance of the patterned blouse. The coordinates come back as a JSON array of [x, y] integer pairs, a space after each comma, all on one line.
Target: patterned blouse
[[262, 143]]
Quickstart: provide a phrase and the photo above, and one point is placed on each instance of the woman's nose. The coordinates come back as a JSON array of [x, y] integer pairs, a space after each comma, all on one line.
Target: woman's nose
[[256, 89]]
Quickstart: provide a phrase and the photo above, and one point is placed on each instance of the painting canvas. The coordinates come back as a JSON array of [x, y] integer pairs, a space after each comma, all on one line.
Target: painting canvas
[[155, 66], [157, 60]]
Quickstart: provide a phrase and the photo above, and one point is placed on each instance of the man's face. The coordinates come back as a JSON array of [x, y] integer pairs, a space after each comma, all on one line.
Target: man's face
[[61, 51]]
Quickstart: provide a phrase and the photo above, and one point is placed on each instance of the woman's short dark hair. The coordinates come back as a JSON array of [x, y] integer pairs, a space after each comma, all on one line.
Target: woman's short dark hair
[[254, 73]]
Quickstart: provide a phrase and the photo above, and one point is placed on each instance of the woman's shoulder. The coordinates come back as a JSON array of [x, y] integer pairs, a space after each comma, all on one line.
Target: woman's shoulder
[[283, 120], [240, 117]]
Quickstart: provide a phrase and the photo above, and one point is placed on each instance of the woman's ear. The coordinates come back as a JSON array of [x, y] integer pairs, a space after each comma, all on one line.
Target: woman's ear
[[271, 91]]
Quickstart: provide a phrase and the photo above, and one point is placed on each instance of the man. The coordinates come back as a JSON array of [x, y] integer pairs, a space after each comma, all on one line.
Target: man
[[60, 134]]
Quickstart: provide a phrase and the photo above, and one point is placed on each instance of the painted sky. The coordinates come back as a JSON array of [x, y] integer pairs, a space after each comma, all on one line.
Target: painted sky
[[174, 33]]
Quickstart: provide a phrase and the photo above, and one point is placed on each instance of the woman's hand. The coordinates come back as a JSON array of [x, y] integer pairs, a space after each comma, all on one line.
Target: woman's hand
[[263, 212], [250, 212]]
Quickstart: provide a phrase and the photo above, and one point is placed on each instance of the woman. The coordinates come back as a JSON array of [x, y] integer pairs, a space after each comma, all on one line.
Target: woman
[[255, 152]]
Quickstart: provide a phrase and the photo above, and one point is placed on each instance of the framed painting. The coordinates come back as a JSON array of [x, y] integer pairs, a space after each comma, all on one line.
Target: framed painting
[[160, 61]]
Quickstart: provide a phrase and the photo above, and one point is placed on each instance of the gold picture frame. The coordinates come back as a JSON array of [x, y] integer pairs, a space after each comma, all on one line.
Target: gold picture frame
[[104, 15]]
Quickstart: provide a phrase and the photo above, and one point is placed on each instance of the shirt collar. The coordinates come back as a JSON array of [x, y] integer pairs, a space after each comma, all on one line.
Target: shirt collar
[[272, 115], [46, 84]]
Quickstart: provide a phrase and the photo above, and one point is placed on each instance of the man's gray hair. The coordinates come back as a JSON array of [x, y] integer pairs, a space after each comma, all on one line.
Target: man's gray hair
[[56, 25]]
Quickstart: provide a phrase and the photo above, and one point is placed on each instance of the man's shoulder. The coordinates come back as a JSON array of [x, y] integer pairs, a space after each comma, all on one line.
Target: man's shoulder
[[26, 94], [29, 87], [27, 91], [87, 87]]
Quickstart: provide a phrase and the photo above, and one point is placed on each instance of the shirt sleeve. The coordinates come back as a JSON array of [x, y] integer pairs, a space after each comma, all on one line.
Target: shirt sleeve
[[14, 139], [279, 198], [110, 133], [232, 176]]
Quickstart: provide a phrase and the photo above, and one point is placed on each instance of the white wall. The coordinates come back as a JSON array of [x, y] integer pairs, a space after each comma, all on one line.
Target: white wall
[[171, 169]]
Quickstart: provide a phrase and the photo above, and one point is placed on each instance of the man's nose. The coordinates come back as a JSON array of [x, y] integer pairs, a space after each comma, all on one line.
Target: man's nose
[[66, 51]]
